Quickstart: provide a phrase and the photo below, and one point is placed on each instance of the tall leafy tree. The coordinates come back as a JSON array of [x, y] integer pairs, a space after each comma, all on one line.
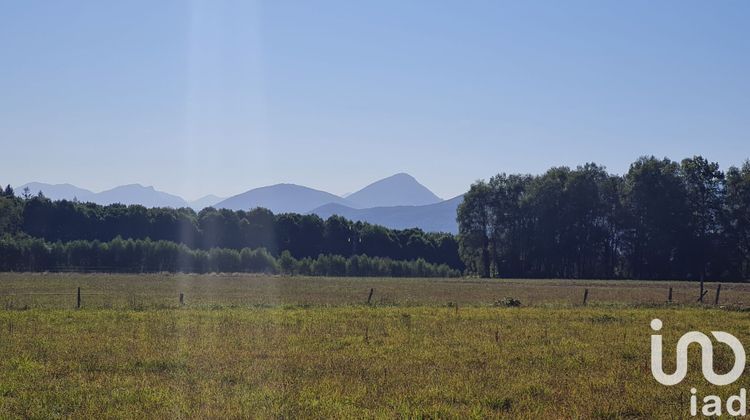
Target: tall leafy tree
[[475, 223], [10, 215], [737, 234], [657, 199], [705, 189]]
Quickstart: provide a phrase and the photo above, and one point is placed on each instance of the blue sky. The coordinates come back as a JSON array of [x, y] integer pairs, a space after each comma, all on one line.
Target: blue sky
[[218, 97]]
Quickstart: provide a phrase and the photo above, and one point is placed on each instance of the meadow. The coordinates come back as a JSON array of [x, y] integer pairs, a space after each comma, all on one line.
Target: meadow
[[267, 347]]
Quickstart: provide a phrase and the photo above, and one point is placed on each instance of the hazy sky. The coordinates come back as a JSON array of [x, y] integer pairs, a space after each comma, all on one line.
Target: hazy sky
[[219, 97]]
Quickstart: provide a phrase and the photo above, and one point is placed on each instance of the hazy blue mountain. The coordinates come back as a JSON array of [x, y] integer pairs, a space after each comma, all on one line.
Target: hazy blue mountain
[[124, 194], [398, 201], [281, 198], [56, 191], [138, 194], [438, 217], [205, 201], [397, 190]]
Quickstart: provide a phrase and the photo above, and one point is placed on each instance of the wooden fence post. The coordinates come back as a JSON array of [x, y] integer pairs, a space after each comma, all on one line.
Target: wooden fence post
[[369, 297], [585, 296], [182, 299], [78, 298], [718, 290], [669, 299], [704, 292]]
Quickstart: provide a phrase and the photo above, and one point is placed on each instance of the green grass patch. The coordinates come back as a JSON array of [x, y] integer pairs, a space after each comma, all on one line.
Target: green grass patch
[[348, 361]]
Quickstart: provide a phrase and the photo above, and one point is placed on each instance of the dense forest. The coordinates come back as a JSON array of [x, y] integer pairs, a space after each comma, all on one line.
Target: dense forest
[[661, 220], [41, 234]]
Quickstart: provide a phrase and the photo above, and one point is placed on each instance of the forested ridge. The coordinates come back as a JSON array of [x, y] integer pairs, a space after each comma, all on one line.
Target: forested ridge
[[42, 234], [661, 220]]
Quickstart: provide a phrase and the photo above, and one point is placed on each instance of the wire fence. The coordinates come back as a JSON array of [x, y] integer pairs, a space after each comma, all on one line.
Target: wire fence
[[99, 300], [472, 294]]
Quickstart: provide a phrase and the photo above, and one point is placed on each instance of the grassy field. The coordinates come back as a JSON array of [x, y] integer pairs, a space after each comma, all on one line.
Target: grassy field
[[268, 347]]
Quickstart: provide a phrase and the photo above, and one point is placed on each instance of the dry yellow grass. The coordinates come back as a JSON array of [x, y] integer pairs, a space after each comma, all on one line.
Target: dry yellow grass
[[162, 290]]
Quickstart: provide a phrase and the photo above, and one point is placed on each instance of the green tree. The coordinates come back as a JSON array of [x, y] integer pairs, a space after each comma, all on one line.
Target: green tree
[[738, 219], [475, 226], [705, 189], [10, 215], [657, 203], [287, 263]]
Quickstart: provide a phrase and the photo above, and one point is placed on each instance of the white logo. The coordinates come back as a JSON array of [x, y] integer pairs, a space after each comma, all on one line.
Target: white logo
[[707, 353], [710, 405]]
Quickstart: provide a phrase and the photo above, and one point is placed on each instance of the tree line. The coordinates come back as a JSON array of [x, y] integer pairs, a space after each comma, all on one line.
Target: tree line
[[23, 253], [661, 220], [304, 236]]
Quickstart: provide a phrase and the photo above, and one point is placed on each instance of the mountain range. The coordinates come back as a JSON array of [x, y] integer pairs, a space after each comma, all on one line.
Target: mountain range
[[397, 202], [123, 194]]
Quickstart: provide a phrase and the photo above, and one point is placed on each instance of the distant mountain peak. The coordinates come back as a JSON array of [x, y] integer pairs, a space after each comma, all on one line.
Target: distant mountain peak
[[281, 198], [401, 175], [400, 189], [56, 191], [139, 194]]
